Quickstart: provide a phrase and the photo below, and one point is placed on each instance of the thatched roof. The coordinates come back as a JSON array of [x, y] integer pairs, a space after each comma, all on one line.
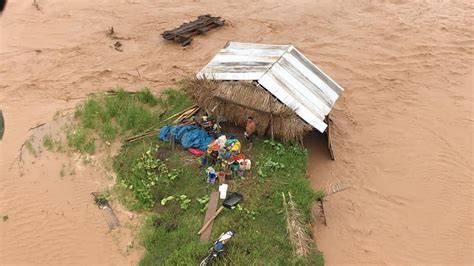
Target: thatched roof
[[238, 100]]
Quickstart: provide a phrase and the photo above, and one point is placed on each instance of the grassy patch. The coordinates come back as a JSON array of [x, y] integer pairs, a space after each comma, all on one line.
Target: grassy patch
[[48, 142], [259, 221], [80, 141], [145, 174], [108, 117], [170, 186], [174, 101]]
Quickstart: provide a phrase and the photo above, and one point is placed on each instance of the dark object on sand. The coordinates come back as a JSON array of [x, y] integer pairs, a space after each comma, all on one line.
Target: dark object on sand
[[3, 3], [118, 46], [2, 125], [231, 201], [183, 34], [107, 210]]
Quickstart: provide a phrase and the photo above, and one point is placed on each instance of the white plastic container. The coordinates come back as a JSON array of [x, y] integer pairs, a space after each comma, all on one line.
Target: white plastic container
[[223, 191]]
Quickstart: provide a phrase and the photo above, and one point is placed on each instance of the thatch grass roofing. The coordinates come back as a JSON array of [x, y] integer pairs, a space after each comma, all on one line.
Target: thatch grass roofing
[[239, 100]]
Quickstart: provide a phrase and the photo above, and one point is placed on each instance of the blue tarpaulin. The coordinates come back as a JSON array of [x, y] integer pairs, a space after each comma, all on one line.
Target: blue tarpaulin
[[188, 136]]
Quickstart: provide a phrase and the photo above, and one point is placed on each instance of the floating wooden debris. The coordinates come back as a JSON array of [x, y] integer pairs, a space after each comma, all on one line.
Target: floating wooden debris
[[118, 46], [183, 34], [317, 211], [336, 186], [2, 125], [329, 122], [107, 210]]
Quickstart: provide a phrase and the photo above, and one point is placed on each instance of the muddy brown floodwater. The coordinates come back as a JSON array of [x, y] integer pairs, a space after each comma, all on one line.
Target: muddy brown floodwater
[[402, 135]]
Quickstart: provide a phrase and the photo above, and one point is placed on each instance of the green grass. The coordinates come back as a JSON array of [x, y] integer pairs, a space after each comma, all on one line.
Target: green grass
[[174, 100], [79, 140], [108, 117], [169, 233], [260, 224], [51, 144]]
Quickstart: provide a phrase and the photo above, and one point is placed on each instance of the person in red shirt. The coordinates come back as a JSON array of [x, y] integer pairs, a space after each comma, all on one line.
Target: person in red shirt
[[250, 131]]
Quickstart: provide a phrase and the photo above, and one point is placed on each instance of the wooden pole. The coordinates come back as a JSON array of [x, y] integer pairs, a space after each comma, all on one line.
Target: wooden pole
[[210, 220], [271, 116]]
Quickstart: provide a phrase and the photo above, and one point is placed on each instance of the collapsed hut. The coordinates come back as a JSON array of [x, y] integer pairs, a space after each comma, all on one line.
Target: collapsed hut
[[286, 94]]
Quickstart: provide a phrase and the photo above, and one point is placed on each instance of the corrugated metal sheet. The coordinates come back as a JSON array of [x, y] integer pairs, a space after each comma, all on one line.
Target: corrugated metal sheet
[[284, 72], [242, 61]]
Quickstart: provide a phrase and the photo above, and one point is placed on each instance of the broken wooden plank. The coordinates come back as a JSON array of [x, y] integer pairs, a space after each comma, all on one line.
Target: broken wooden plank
[[186, 115], [211, 210], [328, 133], [183, 34], [2, 125]]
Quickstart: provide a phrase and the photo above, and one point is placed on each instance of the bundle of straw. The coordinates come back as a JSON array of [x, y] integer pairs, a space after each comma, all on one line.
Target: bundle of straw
[[238, 100], [297, 229]]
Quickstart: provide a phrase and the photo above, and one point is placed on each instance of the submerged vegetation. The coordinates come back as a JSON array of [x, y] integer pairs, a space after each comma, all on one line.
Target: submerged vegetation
[[170, 187]]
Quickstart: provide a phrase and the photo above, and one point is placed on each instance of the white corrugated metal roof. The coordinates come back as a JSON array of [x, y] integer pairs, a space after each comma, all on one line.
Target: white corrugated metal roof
[[284, 72], [242, 61]]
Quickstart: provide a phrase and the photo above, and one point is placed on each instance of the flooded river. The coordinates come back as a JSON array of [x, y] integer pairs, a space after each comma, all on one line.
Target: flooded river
[[402, 133]]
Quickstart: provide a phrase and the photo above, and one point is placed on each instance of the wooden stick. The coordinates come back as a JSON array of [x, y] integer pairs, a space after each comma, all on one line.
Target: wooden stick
[[154, 131], [179, 113], [37, 126], [130, 140], [210, 220]]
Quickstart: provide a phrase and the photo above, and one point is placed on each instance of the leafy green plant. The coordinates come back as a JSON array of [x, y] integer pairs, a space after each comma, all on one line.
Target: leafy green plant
[[203, 203], [248, 213], [183, 201], [146, 173], [167, 199]]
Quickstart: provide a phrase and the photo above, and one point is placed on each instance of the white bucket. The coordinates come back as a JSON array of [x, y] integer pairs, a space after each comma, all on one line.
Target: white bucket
[[223, 191]]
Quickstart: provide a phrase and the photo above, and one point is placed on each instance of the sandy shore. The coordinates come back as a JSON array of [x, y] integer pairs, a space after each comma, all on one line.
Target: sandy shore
[[403, 129]]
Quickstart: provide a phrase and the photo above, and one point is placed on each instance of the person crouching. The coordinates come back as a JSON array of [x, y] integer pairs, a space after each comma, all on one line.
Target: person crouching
[[250, 131]]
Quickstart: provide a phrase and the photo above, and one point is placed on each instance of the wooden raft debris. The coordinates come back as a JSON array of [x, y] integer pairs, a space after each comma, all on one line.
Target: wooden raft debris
[[183, 34]]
